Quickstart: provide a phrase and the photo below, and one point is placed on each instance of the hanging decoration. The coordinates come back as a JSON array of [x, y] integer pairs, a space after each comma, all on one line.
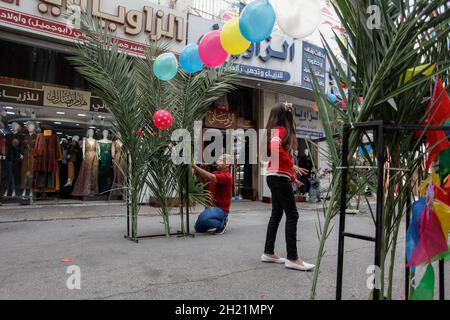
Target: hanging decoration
[[425, 290], [190, 60], [162, 119], [231, 38], [165, 66], [298, 18], [211, 51], [257, 20]]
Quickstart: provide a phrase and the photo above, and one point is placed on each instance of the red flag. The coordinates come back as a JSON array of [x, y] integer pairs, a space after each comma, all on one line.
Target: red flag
[[438, 111]]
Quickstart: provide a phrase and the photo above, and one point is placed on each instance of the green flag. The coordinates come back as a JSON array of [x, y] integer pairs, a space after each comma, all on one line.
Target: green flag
[[425, 290]]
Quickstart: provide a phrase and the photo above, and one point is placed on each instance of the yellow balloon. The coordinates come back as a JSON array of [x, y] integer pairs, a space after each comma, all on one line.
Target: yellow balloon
[[231, 38]]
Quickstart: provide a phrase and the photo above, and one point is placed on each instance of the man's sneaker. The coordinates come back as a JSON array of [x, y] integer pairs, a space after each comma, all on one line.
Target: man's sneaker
[[223, 229]]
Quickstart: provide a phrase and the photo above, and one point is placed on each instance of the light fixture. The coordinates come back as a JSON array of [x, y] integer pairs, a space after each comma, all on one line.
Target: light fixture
[[57, 122], [59, 133], [9, 112], [91, 127], [60, 112], [9, 108], [77, 124], [81, 115]]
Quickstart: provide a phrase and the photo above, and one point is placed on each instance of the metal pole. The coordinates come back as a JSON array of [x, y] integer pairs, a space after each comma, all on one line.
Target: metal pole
[[127, 194], [379, 210], [343, 207], [441, 280], [408, 221], [187, 200]]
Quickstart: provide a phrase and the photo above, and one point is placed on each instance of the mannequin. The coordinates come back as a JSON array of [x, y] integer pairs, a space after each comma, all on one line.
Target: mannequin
[[28, 160], [87, 181], [73, 152], [120, 164], [306, 163], [105, 172], [13, 158], [47, 153]]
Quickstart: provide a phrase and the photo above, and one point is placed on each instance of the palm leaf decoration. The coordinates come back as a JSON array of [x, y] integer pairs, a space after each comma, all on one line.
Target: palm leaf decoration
[[374, 69], [132, 94]]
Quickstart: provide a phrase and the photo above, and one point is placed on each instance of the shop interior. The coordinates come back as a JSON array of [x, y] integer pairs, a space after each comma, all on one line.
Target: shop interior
[[51, 153]]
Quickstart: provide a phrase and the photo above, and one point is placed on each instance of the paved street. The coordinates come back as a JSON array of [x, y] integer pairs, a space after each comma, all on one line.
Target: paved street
[[35, 240]]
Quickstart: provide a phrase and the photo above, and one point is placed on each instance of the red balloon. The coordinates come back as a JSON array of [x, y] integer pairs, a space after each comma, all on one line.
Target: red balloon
[[162, 119], [139, 133]]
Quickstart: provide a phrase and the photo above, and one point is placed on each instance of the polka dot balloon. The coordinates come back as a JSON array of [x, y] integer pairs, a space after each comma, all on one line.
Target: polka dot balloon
[[162, 119]]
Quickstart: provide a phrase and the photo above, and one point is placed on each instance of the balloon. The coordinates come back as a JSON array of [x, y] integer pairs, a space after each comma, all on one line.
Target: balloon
[[298, 18], [231, 38], [332, 98], [211, 51], [139, 133], [165, 66], [190, 60], [162, 119], [257, 21]]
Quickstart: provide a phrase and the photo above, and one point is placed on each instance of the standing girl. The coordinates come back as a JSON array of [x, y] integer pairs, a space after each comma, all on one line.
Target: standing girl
[[282, 141]]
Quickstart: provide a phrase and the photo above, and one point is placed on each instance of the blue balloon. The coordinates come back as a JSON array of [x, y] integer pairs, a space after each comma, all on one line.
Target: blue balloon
[[332, 98], [165, 66], [190, 60], [257, 21]]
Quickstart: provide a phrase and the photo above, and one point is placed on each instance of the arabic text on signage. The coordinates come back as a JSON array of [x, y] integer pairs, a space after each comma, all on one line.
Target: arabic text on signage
[[97, 105], [10, 94], [66, 98], [257, 72], [314, 60]]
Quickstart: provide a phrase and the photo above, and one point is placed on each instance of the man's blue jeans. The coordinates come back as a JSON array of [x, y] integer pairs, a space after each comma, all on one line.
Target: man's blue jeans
[[211, 218]]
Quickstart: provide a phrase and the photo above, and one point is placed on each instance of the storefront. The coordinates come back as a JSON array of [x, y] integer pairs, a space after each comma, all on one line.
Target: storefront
[[56, 137]]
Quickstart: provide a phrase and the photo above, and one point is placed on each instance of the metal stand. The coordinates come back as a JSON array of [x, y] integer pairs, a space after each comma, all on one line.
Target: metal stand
[[379, 128], [178, 233]]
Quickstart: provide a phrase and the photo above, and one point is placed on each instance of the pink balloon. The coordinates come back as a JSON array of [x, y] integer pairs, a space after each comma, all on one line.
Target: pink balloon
[[211, 51]]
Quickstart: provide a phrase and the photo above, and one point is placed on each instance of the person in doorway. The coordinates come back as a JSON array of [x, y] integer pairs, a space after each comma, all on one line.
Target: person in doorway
[[220, 187], [281, 140]]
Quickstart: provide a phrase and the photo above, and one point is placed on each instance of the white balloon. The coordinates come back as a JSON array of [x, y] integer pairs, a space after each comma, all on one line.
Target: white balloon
[[298, 18]]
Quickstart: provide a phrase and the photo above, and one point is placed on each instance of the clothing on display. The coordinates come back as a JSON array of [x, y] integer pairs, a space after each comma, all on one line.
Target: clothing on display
[[27, 172], [73, 151], [119, 167], [87, 181], [47, 153], [12, 173], [105, 168], [306, 162]]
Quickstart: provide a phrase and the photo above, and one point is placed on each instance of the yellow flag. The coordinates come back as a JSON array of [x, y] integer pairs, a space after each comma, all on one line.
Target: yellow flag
[[423, 187], [425, 69], [442, 211]]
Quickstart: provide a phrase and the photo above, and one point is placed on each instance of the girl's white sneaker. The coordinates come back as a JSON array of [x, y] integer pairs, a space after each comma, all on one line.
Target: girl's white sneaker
[[305, 267], [266, 258]]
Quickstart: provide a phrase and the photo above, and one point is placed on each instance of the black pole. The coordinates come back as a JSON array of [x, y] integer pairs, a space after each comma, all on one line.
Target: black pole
[[128, 195], [408, 221], [343, 208], [379, 210], [441, 280], [187, 200]]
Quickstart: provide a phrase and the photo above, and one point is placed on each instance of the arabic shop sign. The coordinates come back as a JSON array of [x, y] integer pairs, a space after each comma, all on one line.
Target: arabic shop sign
[[10, 94], [308, 122], [133, 26], [221, 119], [98, 105], [66, 98], [274, 59], [314, 59]]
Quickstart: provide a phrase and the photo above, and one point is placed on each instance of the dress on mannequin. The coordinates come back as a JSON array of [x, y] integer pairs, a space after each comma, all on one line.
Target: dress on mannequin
[[47, 153], [27, 174], [73, 152], [105, 171], [87, 180], [119, 167], [13, 155]]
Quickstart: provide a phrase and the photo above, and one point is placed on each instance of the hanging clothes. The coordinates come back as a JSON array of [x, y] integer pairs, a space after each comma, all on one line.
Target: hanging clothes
[[27, 172], [13, 150], [47, 153], [105, 170], [87, 180]]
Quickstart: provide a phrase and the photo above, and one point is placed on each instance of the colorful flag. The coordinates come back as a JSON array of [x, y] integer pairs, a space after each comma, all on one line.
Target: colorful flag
[[425, 290]]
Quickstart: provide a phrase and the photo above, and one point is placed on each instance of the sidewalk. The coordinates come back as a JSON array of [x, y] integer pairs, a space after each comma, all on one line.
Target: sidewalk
[[45, 211]]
